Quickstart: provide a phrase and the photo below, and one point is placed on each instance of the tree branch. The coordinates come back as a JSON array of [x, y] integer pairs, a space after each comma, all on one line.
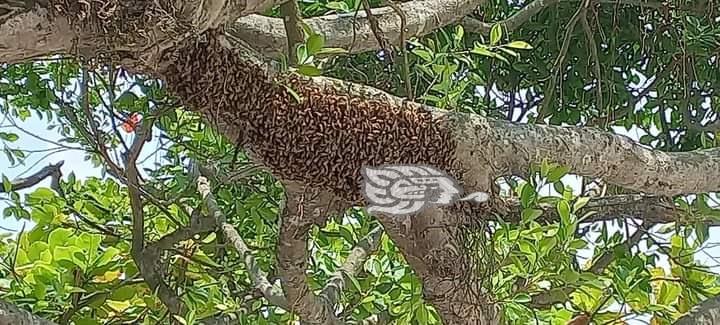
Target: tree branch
[[511, 23], [649, 208], [52, 171], [305, 207], [13, 315], [294, 31], [272, 293], [706, 313], [268, 36], [359, 254]]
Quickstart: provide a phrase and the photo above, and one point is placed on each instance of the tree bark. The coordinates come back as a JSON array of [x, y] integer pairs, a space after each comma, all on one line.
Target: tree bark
[[707, 313], [12, 315], [324, 137]]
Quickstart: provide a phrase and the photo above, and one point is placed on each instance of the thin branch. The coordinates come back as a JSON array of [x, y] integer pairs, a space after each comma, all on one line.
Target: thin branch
[[511, 23], [592, 46], [273, 294], [147, 260], [52, 171], [649, 208], [549, 298], [359, 254], [382, 41], [406, 61]]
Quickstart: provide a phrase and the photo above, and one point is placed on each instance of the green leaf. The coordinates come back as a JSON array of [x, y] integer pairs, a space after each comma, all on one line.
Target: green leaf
[[59, 237], [482, 50], [563, 208], [495, 34], [123, 293], [531, 214], [423, 54], [309, 70], [521, 45], [422, 315], [340, 6], [7, 185], [527, 195], [557, 173], [86, 321], [35, 249], [293, 94], [10, 137], [580, 203], [459, 33], [301, 52], [331, 51], [43, 194], [107, 256], [315, 43], [522, 298]]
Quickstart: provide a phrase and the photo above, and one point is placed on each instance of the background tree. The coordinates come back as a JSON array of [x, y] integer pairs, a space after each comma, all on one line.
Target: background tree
[[229, 191]]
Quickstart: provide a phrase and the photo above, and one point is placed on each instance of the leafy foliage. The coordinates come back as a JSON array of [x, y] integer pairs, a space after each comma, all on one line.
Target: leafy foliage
[[658, 71]]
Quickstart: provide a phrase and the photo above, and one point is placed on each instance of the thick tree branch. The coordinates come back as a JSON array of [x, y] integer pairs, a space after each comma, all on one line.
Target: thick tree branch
[[33, 29], [305, 207], [654, 209], [588, 152], [52, 171], [706, 313], [268, 35], [13, 315]]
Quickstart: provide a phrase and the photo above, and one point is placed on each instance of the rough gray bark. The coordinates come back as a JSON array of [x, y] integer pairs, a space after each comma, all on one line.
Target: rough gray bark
[[707, 313], [352, 32], [509, 148], [482, 148], [12, 315]]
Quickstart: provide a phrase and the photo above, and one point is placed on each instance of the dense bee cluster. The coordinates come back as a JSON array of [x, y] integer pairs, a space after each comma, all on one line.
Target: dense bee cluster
[[322, 140]]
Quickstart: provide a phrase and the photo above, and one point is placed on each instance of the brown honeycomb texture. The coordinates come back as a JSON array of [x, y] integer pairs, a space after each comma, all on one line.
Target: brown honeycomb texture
[[324, 139]]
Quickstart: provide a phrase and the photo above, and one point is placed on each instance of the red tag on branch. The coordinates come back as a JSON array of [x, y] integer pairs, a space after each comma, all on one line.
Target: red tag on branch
[[131, 123]]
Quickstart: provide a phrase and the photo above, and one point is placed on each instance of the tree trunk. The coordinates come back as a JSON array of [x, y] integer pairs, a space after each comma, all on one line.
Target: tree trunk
[[323, 138]]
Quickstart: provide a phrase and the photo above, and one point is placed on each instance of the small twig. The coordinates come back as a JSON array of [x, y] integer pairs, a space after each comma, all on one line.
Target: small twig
[[406, 61], [592, 46]]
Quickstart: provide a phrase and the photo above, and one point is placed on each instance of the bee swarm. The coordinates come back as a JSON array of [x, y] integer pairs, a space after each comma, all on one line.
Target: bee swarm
[[323, 140]]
